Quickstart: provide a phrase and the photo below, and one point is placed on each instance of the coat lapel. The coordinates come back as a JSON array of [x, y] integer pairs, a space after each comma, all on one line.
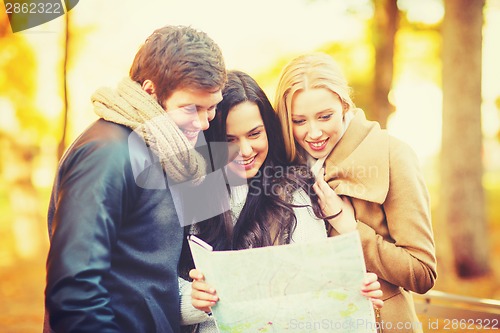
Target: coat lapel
[[358, 166]]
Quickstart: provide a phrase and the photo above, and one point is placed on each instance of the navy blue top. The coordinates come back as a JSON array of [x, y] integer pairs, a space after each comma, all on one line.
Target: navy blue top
[[115, 239]]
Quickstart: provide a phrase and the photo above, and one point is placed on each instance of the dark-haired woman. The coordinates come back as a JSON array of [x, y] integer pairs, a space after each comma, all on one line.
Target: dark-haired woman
[[270, 204]]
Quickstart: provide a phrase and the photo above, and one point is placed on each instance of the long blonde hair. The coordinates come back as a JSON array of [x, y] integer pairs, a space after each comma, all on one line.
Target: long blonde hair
[[315, 70]]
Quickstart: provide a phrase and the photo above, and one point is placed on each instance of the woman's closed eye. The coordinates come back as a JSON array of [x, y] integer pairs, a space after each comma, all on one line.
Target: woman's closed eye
[[326, 116], [212, 109], [298, 121], [255, 134]]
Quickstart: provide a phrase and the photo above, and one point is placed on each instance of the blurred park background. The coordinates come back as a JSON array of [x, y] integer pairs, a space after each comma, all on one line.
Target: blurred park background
[[427, 70]]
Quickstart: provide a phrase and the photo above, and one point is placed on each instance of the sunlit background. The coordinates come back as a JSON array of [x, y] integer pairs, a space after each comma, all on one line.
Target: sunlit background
[[258, 37]]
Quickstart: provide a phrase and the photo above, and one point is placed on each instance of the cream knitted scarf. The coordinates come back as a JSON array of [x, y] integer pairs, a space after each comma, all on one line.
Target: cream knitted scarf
[[131, 106]]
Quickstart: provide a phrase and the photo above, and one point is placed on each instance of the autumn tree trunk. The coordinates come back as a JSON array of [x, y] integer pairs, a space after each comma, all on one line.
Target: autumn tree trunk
[[461, 173], [385, 27], [62, 143]]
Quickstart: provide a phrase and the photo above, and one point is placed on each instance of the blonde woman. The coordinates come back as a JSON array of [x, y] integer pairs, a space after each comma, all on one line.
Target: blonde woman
[[375, 173]]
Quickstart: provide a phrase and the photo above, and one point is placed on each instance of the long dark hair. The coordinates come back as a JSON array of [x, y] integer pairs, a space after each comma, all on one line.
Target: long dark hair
[[267, 217]]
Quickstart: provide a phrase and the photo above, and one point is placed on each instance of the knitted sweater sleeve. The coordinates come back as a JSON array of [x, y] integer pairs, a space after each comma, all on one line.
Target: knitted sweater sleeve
[[309, 227], [189, 314]]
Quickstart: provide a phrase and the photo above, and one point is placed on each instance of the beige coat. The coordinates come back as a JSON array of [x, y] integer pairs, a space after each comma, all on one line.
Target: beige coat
[[382, 176]]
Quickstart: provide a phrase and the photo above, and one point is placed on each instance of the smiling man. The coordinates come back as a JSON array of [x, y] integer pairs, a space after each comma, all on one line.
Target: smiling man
[[115, 245]]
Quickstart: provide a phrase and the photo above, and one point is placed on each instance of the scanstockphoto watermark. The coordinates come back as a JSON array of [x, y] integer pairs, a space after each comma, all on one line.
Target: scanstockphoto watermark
[[26, 14], [348, 174], [196, 200], [350, 325]]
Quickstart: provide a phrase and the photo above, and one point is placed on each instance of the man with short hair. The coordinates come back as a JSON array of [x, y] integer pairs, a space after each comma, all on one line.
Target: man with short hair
[[115, 234]]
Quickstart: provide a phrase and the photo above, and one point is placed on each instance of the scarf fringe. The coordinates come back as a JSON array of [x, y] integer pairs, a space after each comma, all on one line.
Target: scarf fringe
[[131, 106]]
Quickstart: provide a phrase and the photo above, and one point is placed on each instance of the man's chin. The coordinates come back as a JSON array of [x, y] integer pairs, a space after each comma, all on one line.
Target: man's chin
[[193, 141]]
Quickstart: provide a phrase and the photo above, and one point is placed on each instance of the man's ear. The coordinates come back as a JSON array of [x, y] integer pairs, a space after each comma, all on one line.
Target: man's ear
[[149, 87]]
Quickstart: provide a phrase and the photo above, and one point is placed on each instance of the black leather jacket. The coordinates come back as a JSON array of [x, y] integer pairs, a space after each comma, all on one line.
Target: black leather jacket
[[115, 240]]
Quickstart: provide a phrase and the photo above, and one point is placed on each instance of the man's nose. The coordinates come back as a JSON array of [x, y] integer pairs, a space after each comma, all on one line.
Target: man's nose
[[202, 120]]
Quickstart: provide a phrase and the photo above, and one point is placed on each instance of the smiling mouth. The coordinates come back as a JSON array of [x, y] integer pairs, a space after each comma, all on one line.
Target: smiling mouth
[[245, 162], [190, 134], [318, 145]]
